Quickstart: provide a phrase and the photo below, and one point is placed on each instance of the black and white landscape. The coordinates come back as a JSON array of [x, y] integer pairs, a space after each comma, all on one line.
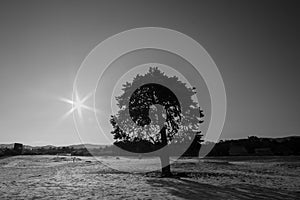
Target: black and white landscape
[[142, 131]]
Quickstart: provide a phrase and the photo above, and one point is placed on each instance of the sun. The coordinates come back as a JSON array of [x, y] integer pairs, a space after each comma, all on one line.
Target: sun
[[78, 104]]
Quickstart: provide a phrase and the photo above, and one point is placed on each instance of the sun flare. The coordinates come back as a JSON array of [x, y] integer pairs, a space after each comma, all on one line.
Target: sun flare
[[78, 104]]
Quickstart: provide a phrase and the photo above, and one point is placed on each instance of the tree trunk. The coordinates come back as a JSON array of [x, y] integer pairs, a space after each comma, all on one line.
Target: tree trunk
[[164, 156], [165, 163]]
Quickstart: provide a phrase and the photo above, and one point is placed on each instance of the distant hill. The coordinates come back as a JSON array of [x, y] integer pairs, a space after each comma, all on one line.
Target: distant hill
[[284, 138], [75, 146], [11, 146], [252, 145], [88, 146], [36, 147], [3, 146]]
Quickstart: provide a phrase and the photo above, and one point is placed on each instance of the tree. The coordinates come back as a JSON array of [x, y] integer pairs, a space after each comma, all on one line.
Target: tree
[[150, 117]]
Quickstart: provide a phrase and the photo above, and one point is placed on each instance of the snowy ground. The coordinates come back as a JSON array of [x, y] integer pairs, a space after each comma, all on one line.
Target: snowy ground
[[51, 177]]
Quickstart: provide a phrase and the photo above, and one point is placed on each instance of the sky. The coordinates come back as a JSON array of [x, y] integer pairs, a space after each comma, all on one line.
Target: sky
[[255, 45]]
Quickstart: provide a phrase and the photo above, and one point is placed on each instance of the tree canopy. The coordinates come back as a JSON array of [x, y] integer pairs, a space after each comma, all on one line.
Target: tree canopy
[[152, 102]]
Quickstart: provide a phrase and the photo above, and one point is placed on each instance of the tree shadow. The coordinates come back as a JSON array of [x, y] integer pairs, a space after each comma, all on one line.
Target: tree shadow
[[191, 190]]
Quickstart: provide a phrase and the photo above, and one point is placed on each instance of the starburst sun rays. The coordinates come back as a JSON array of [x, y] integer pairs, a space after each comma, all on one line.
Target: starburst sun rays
[[78, 104]]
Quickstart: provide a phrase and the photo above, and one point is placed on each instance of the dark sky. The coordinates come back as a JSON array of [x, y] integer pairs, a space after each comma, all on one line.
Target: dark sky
[[255, 45]]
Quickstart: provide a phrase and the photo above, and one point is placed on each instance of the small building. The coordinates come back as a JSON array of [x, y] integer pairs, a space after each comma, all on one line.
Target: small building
[[18, 148]]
